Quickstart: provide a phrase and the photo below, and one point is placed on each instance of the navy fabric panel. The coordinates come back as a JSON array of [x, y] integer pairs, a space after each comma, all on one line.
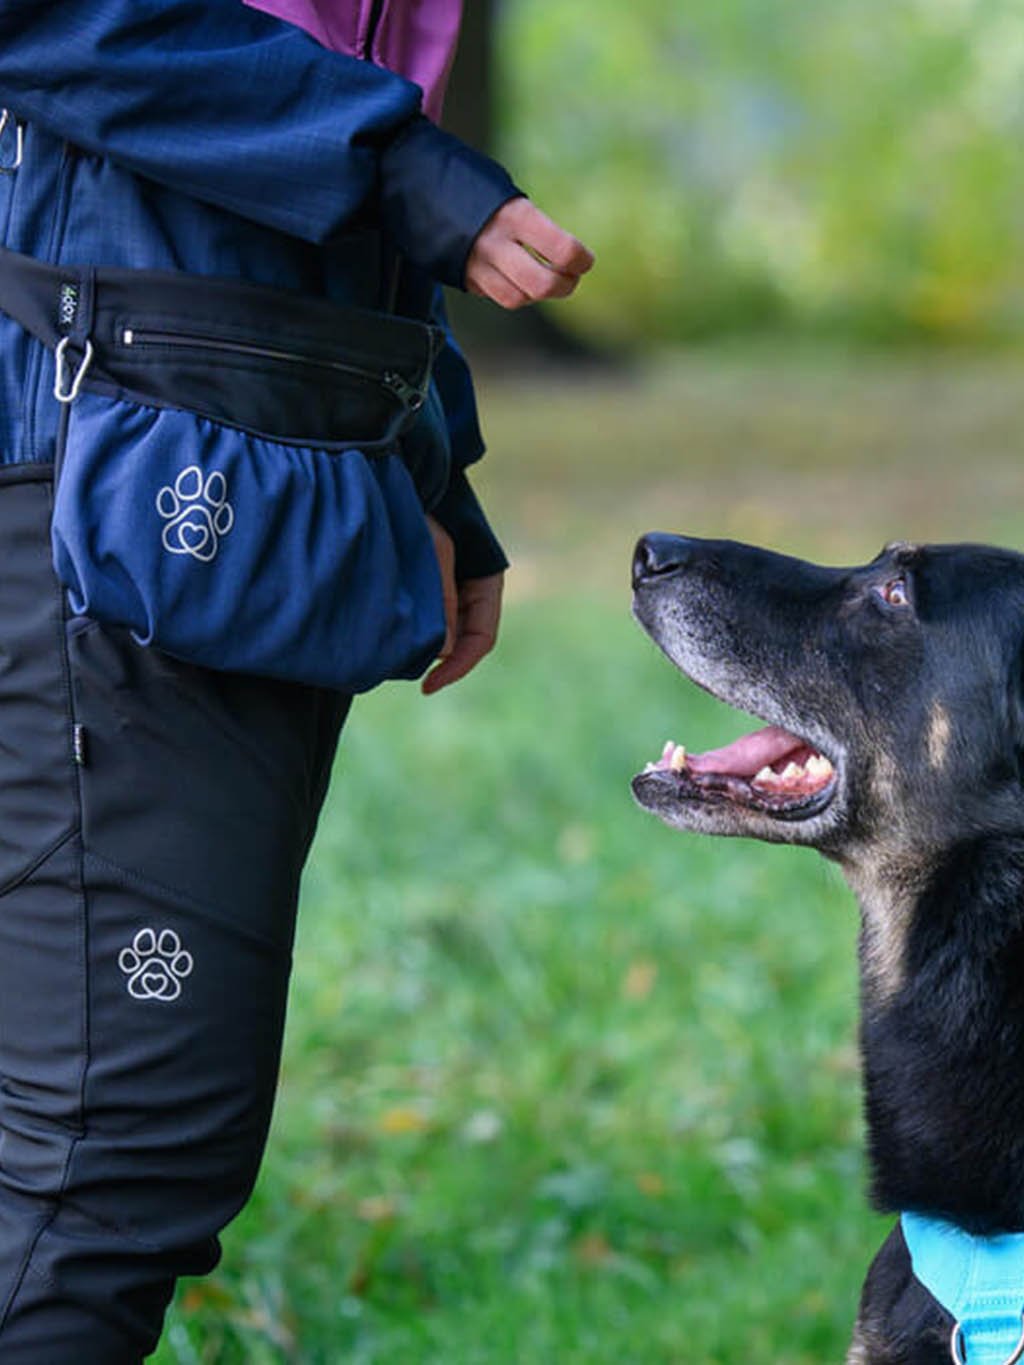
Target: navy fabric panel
[[86, 209], [241, 553], [215, 139], [36, 216], [83, 208], [144, 960], [215, 100], [226, 104]]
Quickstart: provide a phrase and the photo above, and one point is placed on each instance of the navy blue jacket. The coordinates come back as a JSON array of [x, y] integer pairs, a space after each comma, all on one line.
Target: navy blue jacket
[[204, 136]]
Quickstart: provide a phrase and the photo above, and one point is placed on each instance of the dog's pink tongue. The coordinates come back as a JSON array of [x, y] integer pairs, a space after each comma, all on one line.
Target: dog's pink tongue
[[748, 755]]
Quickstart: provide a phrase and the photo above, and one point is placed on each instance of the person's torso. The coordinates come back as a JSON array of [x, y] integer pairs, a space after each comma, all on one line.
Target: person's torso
[[64, 205]]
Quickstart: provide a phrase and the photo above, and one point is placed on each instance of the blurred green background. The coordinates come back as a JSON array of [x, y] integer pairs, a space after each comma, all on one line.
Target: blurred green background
[[562, 1085], [850, 168]]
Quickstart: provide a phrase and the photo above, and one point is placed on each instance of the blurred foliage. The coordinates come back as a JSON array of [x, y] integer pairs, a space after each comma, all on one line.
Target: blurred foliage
[[850, 167]]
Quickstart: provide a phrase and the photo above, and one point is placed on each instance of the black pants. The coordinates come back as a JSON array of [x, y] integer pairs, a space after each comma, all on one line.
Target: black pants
[[154, 819]]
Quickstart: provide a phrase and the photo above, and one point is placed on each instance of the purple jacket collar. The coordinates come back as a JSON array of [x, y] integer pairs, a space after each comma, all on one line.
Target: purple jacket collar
[[415, 38]]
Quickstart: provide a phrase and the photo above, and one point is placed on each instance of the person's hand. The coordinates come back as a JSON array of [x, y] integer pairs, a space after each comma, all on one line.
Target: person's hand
[[472, 610], [520, 256]]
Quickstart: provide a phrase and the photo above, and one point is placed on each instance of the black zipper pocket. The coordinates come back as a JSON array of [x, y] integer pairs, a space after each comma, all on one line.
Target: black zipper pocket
[[409, 395]]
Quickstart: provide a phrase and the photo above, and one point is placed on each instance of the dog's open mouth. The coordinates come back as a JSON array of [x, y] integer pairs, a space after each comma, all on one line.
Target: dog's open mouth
[[770, 770]]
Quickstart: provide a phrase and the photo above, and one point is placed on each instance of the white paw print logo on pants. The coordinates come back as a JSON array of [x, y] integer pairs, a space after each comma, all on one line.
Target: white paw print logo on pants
[[155, 965], [196, 513]]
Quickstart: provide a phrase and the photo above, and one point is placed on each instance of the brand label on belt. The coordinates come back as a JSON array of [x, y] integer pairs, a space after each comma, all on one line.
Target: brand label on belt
[[68, 309]]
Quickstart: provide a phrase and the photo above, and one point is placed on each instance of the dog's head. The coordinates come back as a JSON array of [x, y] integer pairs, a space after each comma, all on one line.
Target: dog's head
[[892, 692]]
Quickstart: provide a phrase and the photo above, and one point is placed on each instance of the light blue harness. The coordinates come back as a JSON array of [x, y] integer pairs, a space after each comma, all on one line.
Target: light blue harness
[[979, 1280]]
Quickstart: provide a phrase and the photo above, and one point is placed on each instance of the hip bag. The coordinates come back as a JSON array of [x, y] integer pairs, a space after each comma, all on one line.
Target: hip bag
[[228, 483]]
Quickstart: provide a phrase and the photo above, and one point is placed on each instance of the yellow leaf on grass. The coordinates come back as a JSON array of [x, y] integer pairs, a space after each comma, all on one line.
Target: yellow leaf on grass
[[593, 1249], [377, 1208], [403, 1120], [639, 981], [208, 1294]]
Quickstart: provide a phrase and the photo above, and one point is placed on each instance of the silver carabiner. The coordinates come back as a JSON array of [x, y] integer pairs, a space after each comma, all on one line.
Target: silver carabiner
[[956, 1347], [66, 387], [19, 142]]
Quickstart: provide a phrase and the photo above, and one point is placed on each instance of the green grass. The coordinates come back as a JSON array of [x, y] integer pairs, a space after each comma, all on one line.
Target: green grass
[[562, 1085]]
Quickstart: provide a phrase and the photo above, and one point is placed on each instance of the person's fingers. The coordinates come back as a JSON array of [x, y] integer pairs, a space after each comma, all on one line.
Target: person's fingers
[[534, 279], [444, 548], [468, 651], [521, 256], [479, 616], [485, 279], [541, 234], [511, 277]]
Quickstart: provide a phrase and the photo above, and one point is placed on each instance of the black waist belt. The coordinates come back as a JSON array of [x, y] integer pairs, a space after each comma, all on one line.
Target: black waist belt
[[266, 360]]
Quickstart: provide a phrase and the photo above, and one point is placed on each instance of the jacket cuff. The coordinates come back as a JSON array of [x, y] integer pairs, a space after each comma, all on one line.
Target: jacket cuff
[[437, 192], [477, 551]]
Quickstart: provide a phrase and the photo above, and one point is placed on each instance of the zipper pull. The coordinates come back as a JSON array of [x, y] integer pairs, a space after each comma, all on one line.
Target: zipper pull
[[411, 398]]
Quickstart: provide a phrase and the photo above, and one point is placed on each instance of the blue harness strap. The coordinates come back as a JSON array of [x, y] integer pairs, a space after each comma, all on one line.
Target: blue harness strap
[[979, 1280]]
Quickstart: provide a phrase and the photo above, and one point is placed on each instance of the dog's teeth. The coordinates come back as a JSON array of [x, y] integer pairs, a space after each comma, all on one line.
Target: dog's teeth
[[766, 777], [678, 760], [819, 766], [791, 772]]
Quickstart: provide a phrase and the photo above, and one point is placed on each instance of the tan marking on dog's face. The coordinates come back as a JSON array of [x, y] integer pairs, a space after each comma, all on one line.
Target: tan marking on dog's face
[[884, 779], [885, 918], [887, 869], [882, 920], [886, 876], [939, 733], [896, 834]]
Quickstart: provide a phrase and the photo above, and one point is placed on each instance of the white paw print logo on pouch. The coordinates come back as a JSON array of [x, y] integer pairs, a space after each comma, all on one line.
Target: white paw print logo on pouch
[[196, 513], [155, 965]]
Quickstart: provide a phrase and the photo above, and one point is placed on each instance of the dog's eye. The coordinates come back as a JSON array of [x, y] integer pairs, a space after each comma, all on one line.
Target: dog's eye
[[894, 592]]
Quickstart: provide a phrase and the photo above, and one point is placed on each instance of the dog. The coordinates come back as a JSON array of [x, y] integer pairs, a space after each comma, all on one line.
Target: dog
[[893, 697]]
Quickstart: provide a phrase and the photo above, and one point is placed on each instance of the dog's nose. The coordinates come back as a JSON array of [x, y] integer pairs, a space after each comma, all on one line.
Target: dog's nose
[[658, 554]]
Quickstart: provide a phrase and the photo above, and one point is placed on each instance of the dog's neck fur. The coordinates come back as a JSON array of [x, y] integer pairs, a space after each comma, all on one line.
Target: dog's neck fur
[[942, 1032]]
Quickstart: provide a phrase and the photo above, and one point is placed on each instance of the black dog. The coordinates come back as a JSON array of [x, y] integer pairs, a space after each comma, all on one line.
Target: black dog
[[894, 696]]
